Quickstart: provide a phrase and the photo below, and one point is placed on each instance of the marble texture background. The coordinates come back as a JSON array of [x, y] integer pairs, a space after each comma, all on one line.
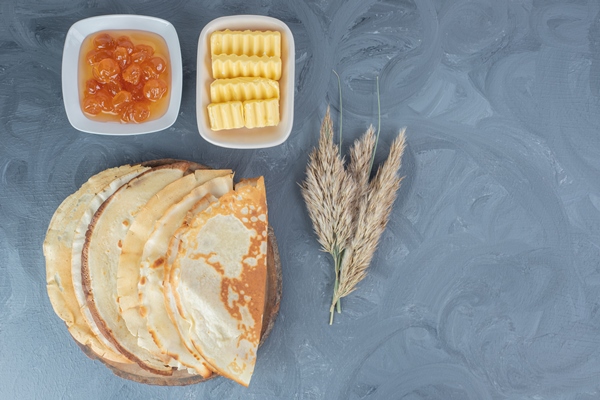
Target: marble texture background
[[487, 281]]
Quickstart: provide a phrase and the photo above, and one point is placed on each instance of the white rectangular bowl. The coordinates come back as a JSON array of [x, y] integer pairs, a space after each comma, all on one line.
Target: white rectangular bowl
[[70, 71], [245, 138]]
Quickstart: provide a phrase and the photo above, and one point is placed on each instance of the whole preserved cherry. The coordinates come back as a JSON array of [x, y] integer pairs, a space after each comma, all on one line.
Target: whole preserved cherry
[[91, 105], [132, 74], [94, 56], [135, 112], [104, 41], [155, 89], [139, 57], [121, 100], [141, 53], [104, 99], [144, 48], [137, 91], [121, 56], [124, 41], [106, 70], [95, 103], [92, 86], [115, 86], [153, 67]]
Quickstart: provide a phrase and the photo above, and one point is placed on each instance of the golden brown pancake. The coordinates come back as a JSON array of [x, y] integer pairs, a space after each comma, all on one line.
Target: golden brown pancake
[[128, 272], [160, 328], [217, 279], [100, 259], [58, 250]]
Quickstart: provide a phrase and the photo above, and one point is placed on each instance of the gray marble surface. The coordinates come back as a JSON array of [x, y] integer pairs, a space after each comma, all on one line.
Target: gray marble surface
[[487, 281]]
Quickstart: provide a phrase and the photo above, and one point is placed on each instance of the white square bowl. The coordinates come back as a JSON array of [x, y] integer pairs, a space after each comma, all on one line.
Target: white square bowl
[[70, 70], [245, 138]]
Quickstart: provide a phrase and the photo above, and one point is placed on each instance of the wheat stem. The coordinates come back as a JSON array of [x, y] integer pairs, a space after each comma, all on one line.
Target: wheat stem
[[341, 108], [334, 300], [331, 314], [378, 127], [336, 304], [335, 285], [338, 261]]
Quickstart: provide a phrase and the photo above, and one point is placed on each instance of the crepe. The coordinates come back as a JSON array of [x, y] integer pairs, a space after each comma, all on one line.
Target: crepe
[[57, 251], [100, 259], [129, 263], [128, 271], [217, 279], [182, 325], [159, 325]]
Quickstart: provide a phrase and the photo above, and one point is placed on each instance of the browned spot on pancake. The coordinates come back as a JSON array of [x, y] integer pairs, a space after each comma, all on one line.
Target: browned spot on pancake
[[159, 261], [143, 280], [120, 244], [216, 265], [248, 287], [143, 311], [155, 338], [253, 279], [234, 308], [119, 303], [126, 223]]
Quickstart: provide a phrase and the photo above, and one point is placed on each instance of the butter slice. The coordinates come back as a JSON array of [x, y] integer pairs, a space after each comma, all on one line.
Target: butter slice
[[249, 43], [260, 113], [228, 115], [233, 66], [242, 89]]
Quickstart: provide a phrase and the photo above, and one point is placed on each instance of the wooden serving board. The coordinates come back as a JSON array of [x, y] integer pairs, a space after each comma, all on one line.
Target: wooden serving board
[[181, 378]]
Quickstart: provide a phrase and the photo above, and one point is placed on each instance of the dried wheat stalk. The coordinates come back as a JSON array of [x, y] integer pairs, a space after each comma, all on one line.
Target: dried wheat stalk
[[360, 161], [329, 192], [349, 213], [372, 216]]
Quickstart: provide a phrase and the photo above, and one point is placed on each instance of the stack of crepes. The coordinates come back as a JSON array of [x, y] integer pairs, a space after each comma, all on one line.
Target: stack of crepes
[[163, 264]]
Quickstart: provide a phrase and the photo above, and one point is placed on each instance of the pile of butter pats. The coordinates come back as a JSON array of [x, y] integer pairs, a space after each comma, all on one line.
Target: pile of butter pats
[[246, 66]]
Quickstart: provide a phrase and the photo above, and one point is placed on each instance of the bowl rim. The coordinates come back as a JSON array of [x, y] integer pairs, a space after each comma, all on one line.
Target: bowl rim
[[70, 63], [284, 129]]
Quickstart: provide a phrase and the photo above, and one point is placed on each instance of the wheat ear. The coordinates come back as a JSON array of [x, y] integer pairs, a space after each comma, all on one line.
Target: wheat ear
[[372, 217], [360, 160], [328, 192]]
